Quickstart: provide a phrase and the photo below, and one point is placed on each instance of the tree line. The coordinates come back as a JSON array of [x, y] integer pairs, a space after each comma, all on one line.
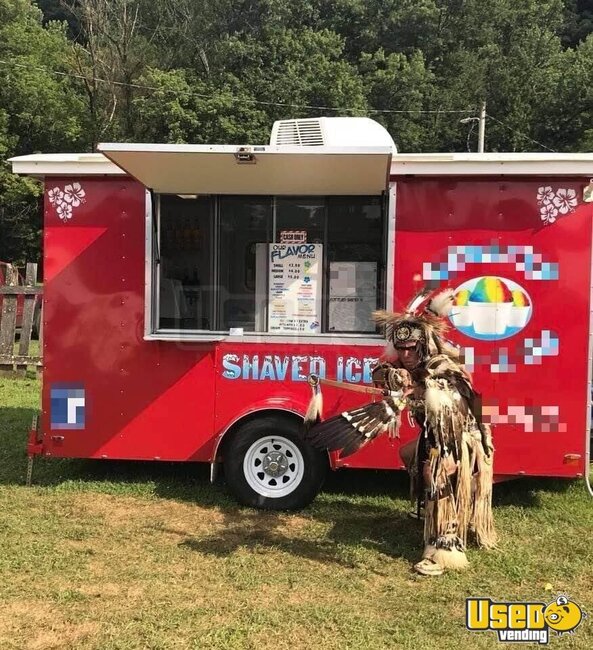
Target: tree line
[[77, 72]]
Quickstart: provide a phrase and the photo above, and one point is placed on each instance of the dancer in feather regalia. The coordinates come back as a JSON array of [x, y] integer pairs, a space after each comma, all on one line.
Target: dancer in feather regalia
[[450, 464]]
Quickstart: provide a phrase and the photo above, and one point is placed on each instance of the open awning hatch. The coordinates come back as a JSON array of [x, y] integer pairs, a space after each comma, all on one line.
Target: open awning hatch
[[273, 170]]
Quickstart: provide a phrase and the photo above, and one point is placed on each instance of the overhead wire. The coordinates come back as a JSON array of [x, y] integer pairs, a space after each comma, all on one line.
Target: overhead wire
[[280, 104], [519, 133], [238, 99]]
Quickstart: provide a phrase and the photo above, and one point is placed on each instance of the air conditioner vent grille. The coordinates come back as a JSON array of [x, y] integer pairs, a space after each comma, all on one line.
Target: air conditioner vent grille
[[306, 133]]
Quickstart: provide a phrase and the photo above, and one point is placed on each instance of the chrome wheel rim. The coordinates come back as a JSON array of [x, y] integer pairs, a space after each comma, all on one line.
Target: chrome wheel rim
[[273, 466]]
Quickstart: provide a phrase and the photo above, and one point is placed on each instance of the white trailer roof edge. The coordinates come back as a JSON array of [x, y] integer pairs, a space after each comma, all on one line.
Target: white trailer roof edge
[[455, 164], [64, 164], [493, 164]]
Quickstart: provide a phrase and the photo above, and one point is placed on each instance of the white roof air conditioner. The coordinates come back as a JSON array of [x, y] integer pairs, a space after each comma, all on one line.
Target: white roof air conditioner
[[331, 132]]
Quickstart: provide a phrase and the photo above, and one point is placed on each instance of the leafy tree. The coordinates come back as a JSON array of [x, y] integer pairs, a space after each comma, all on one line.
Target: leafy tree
[[39, 111], [578, 22], [58, 10], [398, 85], [265, 79], [564, 115], [292, 70], [183, 108], [109, 54], [500, 52]]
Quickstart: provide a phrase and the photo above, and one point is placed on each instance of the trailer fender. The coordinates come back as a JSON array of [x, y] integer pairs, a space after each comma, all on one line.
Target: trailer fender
[[281, 405]]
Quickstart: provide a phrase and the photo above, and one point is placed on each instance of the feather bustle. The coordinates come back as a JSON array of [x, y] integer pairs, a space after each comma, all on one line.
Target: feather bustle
[[315, 409], [441, 303], [353, 429]]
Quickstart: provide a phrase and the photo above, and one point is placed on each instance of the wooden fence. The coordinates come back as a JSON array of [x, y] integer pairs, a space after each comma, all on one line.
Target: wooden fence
[[21, 311]]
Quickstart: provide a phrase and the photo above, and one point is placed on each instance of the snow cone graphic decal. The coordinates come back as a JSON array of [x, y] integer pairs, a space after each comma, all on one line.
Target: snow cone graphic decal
[[490, 308], [460, 314]]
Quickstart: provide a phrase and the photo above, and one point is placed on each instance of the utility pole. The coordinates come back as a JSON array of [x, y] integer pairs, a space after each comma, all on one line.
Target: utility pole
[[482, 128]]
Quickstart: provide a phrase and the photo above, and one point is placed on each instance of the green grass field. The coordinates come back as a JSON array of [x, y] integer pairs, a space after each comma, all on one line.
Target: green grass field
[[114, 556]]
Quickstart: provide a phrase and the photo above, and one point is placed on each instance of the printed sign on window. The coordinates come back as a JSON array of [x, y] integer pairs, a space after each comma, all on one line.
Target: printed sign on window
[[352, 296], [293, 236], [294, 288]]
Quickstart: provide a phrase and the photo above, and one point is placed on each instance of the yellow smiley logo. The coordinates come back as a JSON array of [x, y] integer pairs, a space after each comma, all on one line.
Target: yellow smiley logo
[[563, 615]]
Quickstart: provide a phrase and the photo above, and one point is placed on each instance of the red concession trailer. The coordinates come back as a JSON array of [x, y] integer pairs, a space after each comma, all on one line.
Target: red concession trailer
[[190, 289]]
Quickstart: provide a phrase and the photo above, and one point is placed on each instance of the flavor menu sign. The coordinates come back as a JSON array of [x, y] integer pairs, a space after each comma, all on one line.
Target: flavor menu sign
[[294, 296]]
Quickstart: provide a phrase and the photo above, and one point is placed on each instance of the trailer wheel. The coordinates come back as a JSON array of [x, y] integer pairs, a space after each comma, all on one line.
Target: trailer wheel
[[268, 465]]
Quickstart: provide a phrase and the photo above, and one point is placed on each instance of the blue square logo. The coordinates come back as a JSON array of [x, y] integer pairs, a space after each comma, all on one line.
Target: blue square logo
[[68, 406]]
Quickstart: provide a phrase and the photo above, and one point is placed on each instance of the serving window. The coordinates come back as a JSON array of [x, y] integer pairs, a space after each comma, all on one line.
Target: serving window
[[265, 264]]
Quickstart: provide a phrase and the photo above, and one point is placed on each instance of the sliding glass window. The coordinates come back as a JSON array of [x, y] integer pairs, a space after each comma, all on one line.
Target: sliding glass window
[[222, 263], [244, 232], [185, 263]]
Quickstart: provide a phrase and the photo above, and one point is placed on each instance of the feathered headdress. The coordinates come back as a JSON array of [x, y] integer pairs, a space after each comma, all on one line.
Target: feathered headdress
[[423, 322]]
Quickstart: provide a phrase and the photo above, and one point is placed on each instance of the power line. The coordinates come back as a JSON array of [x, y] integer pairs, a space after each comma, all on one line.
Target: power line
[[543, 146], [190, 93]]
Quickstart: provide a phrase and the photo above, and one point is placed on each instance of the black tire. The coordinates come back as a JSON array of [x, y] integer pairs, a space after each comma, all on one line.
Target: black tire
[[269, 466]]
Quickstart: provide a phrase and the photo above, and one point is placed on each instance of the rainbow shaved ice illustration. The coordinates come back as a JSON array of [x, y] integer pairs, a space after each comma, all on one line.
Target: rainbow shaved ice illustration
[[462, 297], [520, 310], [490, 305], [460, 312], [519, 298]]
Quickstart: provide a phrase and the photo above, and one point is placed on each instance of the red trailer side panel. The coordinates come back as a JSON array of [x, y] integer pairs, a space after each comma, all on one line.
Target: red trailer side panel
[[107, 393], [531, 236], [110, 394]]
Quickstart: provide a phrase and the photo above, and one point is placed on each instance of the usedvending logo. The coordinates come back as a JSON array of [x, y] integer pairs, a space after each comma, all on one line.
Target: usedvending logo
[[523, 622]]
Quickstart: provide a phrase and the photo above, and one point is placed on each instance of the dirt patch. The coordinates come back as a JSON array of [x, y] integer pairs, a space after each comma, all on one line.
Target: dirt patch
[[103, 590], [123, 510], [65, 636], [36, 613], [37, 625], [181, 520]]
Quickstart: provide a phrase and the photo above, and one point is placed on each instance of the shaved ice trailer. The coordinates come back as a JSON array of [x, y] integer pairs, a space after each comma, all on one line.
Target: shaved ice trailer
[[190, 289]]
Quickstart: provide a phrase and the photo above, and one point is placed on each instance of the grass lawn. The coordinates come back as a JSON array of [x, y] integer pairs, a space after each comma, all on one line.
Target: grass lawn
[[113, 555]]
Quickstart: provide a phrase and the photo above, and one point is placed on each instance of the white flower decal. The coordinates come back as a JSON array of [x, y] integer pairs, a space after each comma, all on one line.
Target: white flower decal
[[548, 213], [64, 201], [64, 211], [56, 196], [545, 195], [565, 201], [555, 204], [74, 194]]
